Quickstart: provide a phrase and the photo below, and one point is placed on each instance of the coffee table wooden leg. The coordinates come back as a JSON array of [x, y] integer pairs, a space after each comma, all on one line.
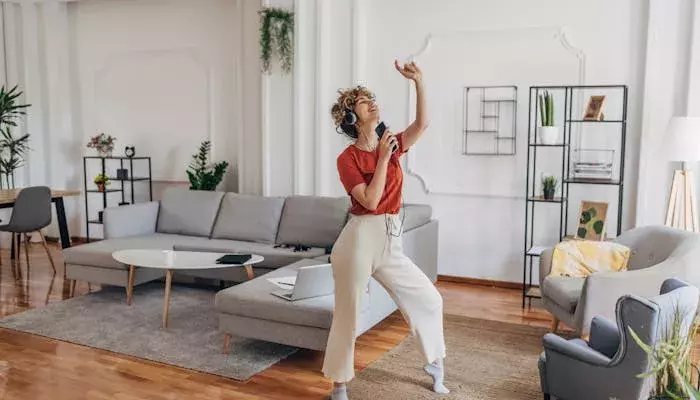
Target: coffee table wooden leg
[[249, 271], [130, 285], [227, 343], [166, 302]]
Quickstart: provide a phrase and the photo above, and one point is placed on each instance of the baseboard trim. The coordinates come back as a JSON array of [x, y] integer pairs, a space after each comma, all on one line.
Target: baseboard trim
[[73, 239], [480, 282]]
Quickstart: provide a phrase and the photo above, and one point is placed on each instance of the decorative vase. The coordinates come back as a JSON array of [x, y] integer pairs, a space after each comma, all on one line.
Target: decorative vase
[[549, 135], [100, 187], [548, 194], [104, 152]]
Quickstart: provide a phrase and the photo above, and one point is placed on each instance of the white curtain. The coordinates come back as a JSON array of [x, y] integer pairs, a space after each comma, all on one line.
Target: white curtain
[[35, 55]]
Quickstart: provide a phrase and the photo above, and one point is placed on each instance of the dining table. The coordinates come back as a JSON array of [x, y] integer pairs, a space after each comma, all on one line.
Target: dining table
[[9, 196]]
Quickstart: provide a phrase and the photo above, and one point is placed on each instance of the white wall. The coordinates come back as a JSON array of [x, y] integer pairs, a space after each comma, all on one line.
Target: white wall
[[479, 201], [161, 75]]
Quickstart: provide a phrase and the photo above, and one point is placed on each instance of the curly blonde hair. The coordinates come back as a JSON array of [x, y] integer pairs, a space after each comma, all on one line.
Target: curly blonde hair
[[346, 100]]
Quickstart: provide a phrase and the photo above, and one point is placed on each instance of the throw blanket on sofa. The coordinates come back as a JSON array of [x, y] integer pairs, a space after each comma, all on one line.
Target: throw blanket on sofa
[[580, 258]]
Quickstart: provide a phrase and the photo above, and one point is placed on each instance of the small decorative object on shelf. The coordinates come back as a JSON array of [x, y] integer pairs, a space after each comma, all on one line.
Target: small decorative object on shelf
[[276, 29], [130, 151], [549, 186], [594, 109], [549, 134], [122, 173], [203, 175], [104, 144], [100, 215], [591, 222], [102, 181]]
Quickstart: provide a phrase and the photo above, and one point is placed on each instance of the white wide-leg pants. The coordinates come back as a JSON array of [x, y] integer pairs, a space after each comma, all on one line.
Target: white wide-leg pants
[[363, 249]]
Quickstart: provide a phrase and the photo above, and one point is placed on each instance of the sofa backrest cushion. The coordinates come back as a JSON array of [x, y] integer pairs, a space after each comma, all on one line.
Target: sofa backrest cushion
[[312, 220], [249, 218], [188, 212]]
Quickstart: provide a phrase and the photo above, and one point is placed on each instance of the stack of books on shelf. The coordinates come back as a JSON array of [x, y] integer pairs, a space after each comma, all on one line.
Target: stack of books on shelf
[[592, 170]]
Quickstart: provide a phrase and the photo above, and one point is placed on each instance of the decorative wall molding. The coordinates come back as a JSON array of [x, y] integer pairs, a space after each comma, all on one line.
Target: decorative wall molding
[[558, 34], [112, 62]]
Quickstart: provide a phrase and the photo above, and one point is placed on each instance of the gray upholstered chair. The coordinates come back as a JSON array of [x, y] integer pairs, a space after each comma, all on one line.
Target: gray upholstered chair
[[607, 366], [658, 253], [31, 213]]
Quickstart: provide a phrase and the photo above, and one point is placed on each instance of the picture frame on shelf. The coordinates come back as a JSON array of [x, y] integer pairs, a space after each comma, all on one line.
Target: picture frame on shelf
[[594, 109], [592, 218]]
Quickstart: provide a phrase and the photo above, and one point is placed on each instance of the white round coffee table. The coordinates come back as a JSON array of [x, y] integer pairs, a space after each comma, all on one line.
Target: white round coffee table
[[171, 260]]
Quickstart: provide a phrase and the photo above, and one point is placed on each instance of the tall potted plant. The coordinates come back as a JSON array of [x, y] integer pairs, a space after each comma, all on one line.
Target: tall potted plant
[[549, 133], [12, 149], [202, 174]]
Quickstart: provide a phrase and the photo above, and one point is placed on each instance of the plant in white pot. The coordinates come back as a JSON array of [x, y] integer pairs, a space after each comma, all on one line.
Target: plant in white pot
[[549, 134]]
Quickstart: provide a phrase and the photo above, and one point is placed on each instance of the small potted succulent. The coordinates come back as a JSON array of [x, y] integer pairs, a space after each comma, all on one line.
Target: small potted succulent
[[104, 144], [549, 186], [101, 181]]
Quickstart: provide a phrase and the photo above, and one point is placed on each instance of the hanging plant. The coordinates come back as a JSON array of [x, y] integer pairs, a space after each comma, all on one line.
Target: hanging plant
[[276, 29]]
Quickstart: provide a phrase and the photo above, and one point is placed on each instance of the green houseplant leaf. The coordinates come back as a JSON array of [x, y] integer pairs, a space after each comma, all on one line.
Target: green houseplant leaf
[[276, 33], [201, 174]]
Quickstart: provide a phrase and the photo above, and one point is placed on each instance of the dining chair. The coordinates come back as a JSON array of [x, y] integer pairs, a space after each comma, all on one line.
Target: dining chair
[[31, 213]]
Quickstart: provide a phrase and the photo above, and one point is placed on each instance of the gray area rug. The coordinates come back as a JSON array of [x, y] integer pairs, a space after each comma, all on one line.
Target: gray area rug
[[192, 339]]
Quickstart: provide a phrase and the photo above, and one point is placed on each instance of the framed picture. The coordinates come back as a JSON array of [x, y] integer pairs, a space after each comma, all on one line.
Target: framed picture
[[594, 109], [591, 221]]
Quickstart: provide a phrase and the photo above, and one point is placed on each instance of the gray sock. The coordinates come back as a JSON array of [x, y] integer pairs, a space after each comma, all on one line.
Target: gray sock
[[340, 392], [437, 371]]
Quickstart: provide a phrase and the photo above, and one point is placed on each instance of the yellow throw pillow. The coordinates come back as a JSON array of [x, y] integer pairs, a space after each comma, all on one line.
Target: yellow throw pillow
[[580, 258]]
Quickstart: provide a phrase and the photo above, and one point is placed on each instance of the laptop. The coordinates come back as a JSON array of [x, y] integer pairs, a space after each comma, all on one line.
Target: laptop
[[311, 281]]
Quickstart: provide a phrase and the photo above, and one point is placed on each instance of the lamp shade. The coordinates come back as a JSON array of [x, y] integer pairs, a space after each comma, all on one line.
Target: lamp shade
[[682, 141]]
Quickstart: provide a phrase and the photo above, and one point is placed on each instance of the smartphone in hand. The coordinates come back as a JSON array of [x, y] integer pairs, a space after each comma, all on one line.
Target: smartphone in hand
[[380, 129]]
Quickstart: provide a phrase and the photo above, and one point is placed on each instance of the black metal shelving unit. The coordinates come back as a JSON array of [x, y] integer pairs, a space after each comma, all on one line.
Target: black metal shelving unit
[[531, 250], [105, 194]]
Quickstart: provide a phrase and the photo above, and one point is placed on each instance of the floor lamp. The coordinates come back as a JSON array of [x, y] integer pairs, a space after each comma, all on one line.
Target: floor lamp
[[683, 145]]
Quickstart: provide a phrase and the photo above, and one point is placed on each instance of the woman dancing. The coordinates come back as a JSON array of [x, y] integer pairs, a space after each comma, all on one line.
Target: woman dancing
[[370, 244]]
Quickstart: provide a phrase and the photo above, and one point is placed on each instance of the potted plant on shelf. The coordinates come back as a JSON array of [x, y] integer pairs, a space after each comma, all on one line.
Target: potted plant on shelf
[[549, 134], [203, 175], [104, 144], [549, 186], [101, 180], [671, 364]]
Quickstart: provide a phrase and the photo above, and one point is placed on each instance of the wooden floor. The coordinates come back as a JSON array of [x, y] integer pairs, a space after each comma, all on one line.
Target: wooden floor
[[39, 368]]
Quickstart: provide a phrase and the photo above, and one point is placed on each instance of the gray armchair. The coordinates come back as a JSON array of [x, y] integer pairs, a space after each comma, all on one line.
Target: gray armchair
[[658, 253], [606, 367]]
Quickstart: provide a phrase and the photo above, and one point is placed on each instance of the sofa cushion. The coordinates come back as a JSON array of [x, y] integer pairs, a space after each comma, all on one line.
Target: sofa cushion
[[563, 291], [312, 220], [415, 215], [275, 257], [99, 254], [253, 299], [188, 212], [246, 217]]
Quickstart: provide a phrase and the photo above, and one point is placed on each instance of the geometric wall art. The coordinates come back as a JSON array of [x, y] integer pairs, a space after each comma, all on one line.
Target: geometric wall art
[[490, 115]]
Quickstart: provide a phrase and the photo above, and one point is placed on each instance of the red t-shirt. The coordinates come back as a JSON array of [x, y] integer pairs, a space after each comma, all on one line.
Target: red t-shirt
[[357, 166]]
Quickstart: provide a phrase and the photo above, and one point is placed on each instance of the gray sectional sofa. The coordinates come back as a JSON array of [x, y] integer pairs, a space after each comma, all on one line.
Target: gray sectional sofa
[[268, 226]]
